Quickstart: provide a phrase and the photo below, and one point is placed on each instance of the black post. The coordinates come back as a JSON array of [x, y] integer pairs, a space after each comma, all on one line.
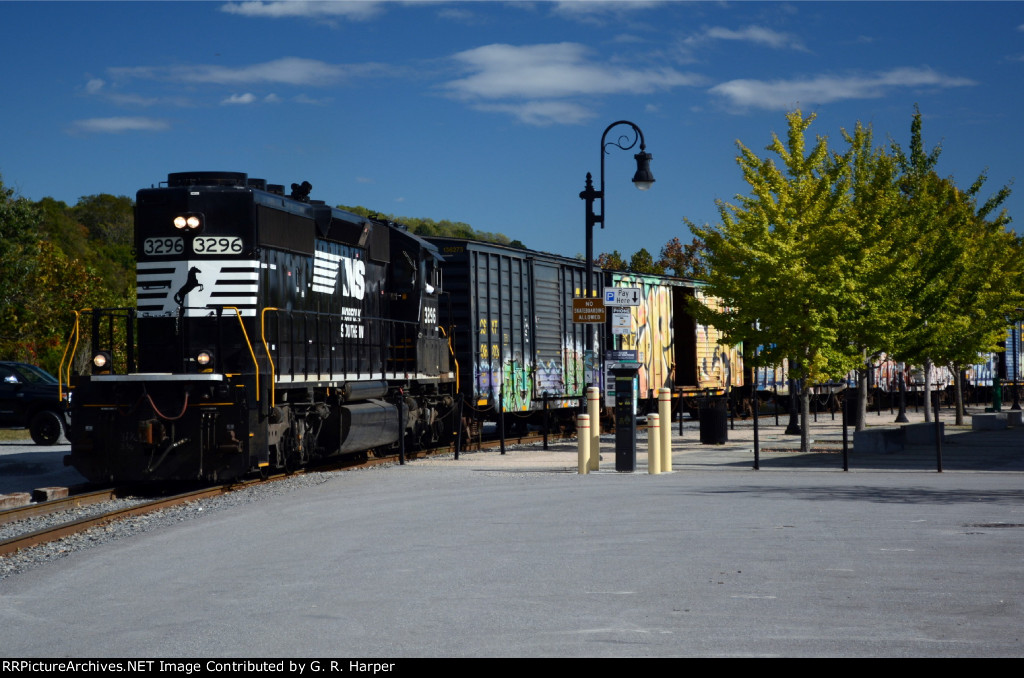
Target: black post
[[901, 418], [938, 436], [547, 419], [846, 451], [401, 429], [775, 396], [682, 411], [501, 419], [460, 427], [757, 448]]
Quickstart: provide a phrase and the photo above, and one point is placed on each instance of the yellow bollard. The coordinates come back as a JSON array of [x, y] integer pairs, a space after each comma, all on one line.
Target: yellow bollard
[[594, 411], [583, 442], [665, 418], [653, 445]]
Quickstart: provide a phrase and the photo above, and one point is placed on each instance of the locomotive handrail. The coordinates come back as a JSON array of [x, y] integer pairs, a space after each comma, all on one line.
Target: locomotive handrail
[[451, 349], [74, 334], [266, 347], [245, 335]]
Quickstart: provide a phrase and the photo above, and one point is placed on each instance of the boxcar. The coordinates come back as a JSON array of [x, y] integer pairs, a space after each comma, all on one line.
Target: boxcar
[[673, 350], [515, 343]]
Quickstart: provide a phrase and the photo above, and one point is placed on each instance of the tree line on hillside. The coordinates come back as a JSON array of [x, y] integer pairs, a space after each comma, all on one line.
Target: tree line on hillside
[[58, 259], [426, 228], [837, 257]]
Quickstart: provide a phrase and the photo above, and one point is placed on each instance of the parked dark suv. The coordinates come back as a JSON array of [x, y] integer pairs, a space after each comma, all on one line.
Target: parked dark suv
[[30, 398]]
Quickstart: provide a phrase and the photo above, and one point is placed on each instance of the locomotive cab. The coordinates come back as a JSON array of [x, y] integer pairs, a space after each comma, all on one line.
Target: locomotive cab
[[415, 281]]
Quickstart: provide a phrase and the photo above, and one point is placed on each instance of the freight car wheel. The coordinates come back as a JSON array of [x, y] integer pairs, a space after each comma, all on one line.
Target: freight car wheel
[[46, 427]]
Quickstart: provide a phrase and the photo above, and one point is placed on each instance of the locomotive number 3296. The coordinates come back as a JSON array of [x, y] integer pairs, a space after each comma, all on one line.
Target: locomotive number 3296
[[165, 246], [216, 245]]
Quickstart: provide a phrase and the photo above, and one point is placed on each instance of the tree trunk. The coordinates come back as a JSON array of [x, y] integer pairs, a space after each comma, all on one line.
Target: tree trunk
[[959, 392]]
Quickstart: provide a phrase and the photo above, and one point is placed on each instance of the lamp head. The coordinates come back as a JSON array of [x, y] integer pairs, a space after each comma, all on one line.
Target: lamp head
[[643, 177]]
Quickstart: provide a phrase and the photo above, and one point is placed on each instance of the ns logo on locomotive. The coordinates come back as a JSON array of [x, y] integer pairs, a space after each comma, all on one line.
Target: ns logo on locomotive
[[270, 329]]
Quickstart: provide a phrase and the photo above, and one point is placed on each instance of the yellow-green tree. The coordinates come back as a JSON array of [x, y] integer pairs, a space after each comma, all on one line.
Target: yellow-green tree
[[779, 260], [963, 274]]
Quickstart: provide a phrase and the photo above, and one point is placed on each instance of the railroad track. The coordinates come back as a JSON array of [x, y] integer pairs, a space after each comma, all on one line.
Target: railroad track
[[130, 505]]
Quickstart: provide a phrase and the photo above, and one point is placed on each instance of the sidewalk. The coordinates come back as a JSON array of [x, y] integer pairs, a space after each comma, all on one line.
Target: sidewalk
[[962, 449]]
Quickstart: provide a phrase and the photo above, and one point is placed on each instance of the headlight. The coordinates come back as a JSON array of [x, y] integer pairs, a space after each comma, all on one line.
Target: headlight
[[191, 221], [101, 362], [204, 359]]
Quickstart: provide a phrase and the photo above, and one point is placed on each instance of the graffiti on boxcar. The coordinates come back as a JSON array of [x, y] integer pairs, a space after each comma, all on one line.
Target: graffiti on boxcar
[[511, 379], [548, 376], [720, 365], [651, 333], [574, 370], [516, 384], [565, 377]]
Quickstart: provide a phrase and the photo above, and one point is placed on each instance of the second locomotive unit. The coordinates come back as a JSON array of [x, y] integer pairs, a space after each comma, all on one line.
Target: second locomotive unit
[[269, 330]]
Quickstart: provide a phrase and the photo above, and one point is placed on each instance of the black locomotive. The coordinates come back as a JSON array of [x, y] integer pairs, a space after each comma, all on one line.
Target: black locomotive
[[270, 329]]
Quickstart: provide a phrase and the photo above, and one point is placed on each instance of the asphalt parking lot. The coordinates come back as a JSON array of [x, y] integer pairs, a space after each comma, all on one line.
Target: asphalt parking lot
[[519, 556]]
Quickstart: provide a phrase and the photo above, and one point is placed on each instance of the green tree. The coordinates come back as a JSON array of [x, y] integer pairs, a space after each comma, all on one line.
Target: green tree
[[106, 217], [874, 252], [685, 261], [611, 262], [777, 261], [643, 262], [19, 236], [962, 281]]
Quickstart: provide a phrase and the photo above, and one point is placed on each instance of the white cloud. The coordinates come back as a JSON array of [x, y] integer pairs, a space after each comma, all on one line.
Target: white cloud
[[757, 35], [554, 71], [355, 11], [246, 98], [306, 99], [121, 124], [545, 84], [542, 113], [287, 70], [94, 86], [596, 11], [823, 89]]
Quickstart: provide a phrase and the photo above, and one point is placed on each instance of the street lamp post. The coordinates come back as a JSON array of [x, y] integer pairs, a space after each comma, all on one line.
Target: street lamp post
[[642, 180]]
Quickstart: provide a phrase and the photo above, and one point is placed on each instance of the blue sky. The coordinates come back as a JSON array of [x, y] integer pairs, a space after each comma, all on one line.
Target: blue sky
[[491, 113]]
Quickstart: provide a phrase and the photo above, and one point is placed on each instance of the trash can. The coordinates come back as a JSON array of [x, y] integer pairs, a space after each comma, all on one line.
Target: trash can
[[714, 421], [851, 409]]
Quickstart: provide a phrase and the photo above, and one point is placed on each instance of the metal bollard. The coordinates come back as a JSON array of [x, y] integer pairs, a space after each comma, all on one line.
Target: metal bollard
[[583, 442], [665, 415], [594, 411], [653, 445]]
